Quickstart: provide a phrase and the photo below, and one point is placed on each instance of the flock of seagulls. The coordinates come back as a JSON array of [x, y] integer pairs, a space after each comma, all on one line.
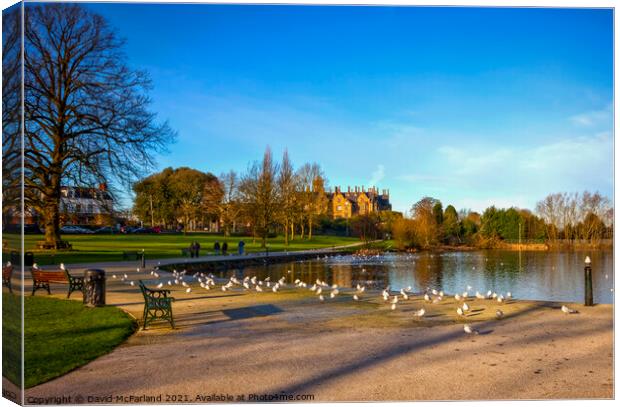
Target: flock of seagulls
[[322, 290]]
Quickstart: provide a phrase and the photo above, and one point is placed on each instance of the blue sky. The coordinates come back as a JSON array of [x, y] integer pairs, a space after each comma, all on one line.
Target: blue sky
[[473, 106]]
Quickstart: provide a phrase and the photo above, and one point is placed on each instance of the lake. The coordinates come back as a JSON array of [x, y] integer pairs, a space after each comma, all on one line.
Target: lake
[[535, 275]]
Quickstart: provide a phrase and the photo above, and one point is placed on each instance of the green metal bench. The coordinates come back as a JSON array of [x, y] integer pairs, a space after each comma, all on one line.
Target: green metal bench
[[157, 305]]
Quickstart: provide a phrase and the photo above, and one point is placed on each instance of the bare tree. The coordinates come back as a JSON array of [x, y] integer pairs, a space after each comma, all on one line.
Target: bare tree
[[312, 197], [260, 196], [11, 114], [287, 187], [229, 207], [87, 117]]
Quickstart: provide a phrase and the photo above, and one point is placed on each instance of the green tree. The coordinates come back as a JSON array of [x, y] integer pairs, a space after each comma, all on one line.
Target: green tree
[[451, 225]]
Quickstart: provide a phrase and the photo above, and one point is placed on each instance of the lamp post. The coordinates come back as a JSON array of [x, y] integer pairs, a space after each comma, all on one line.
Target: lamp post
[[589, 300]]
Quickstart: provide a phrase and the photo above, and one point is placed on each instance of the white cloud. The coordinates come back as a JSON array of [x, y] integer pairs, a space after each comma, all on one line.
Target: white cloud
[[594, 117], [478, 176], [377, 175]]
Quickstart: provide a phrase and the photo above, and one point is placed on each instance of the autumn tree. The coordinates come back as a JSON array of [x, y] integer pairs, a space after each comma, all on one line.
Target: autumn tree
[[87, 113], [426, 226]]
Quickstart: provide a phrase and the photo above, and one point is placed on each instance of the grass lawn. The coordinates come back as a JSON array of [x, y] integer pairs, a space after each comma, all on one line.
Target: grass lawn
[[95, 248], [60, 335]]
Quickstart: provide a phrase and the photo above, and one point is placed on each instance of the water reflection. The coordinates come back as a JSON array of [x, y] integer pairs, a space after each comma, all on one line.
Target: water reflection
[[556, 276]]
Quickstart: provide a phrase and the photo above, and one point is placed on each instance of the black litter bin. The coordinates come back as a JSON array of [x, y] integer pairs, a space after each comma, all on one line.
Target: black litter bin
[[28, 259], [94, 288]]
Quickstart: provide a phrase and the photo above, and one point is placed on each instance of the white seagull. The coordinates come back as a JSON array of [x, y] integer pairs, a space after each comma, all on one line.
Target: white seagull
[[499, 314], [567, 310], [469, 330]]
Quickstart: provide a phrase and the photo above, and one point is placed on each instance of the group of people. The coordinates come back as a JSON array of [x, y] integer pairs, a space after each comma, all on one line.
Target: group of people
[[194, 248], [224, 247]]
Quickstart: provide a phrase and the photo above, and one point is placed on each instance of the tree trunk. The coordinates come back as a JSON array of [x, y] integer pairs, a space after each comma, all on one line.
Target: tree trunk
[[286, 233], [51, 211], [310, 228], [302, 230], [51, 221], [292, 230]]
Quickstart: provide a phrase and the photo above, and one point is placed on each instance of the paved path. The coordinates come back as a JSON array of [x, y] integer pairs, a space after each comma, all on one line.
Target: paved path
[[240, 343]]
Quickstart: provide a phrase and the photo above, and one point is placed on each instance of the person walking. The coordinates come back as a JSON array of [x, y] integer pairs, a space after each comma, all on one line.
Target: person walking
[[224, 248], [216, 247], [241, 246]]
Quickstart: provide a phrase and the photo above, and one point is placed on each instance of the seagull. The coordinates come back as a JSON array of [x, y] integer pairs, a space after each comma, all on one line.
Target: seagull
[[319, 291], [499, 314], [427, 298], [321, 298], [62, 266], [465, 307], [459, 311], [393, 307], [189, 290], [479, 296], [567, 310], [469, 330], [457, 297], [160, 285], [259, 289], [275, 288], [420, 313], [355, 297], [132, 283], [465, 294], [509, 295], [113, 275], [469, 288], [395, 300], [500, 299], [435, 292]]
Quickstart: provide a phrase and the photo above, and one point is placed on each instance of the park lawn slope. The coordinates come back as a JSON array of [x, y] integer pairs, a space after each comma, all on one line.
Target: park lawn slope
[[102, 248], [61, 335]]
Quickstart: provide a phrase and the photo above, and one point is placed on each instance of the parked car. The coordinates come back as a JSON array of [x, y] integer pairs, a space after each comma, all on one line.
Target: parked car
[[75, 230], [107, 230], [144, 230]]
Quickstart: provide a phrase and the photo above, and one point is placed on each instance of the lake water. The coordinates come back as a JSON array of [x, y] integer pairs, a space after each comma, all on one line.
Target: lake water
[[554, 276]]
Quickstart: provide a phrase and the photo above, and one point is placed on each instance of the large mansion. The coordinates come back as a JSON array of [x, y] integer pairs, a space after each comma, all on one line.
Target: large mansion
[[357, 201]]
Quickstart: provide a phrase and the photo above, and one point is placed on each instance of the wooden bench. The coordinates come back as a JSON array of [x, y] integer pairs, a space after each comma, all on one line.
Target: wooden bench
[[128, 255], [157, 305], [42, 279], [7, 273]]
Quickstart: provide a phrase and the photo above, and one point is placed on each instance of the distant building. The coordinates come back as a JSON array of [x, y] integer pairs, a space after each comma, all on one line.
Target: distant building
[[83, 206], [357, 202]]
